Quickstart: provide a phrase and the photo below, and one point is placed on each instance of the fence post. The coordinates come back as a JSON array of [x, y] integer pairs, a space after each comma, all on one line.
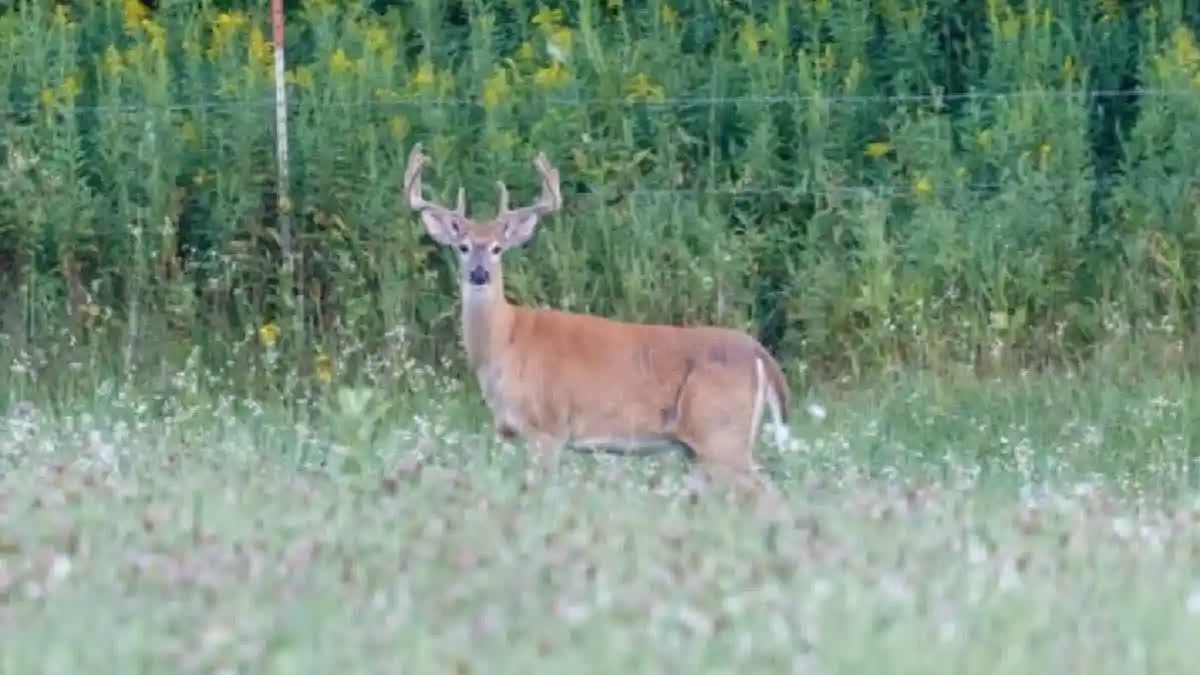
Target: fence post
[[291, 277], [284, 202]]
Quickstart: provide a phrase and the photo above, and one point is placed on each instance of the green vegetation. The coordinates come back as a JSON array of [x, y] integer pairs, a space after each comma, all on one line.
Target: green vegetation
[[863, 184], [971, 244]]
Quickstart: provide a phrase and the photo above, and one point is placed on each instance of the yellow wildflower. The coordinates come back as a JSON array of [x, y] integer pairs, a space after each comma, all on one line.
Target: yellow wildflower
[[878, 149], [547, 18], [227, 22], [377, 38], [525, 51], [134, 11], [261, 51], [1185, 50], [323, 367], [300, 76], [1010, 27], [551, 76], [62, 16], [47, 97], [669, 15], [748, 36], [641, 88], [922, 186], [398, 127], [425, 75], [157, 35], [1044, 153], [822, 6], [268, 334], [113, 65], [339, 62], [495, 88], [224, 26], [69, 89]]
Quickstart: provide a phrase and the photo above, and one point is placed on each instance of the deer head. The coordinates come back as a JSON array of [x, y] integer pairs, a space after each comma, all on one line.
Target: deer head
[[480, 244]]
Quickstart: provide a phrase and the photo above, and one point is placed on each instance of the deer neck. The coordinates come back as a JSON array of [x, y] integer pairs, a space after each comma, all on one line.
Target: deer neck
[[486, 323]]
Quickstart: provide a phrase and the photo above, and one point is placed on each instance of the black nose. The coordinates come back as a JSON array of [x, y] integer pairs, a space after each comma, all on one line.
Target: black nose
[[478, 276]]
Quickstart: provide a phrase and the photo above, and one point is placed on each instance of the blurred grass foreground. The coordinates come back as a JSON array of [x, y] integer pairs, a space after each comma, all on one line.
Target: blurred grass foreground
[[969, 231]]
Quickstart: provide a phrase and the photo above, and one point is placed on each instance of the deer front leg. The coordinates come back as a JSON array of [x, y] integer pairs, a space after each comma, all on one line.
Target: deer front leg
[[546, 449], [503, 423], [505, 430]]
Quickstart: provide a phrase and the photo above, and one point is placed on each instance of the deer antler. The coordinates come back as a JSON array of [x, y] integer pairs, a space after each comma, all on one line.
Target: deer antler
[[412, 186], [549, 201]]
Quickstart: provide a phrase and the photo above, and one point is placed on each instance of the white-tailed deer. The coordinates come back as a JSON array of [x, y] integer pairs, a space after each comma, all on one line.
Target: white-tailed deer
[[559, 379]]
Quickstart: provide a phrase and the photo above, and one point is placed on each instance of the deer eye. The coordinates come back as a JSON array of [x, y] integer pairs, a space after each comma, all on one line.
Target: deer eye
[[496, 249], [464, 248]]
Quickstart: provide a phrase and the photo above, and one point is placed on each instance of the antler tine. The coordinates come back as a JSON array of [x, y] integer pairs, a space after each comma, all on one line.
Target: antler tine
[[502, 191], [412, 178], [412, 185], [549, 201]]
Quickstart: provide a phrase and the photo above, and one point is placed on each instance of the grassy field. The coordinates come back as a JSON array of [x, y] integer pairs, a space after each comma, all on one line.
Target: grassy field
[[1038, 524], [296, 477]]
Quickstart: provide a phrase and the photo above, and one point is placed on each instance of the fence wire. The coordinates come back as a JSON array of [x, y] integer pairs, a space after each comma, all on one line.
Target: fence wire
[[806, 187], [268, 100]]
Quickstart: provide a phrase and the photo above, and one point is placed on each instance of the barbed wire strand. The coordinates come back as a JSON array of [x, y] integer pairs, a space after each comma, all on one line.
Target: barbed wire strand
[[1023, 189], [698, 101], [808, 186]]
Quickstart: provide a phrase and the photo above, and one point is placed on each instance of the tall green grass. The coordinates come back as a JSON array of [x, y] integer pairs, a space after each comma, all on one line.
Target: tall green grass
[[866, 185]]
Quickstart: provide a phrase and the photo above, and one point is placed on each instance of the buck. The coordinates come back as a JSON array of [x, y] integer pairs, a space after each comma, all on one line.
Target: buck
[[558, 379]]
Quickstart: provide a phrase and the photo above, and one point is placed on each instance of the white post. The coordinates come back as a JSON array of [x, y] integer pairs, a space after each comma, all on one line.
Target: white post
[[284, 201], [291, 277]]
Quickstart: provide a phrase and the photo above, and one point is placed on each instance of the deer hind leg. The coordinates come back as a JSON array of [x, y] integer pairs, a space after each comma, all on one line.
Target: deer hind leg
[[545, 449], [730, 461], [719, 418]]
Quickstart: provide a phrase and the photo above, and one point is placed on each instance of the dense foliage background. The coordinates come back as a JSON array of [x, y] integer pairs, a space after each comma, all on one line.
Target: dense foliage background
[[863, 183]]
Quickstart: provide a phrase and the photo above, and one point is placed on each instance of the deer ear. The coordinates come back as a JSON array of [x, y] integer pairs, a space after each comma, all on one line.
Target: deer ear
[[443, 227], [520, 228]]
